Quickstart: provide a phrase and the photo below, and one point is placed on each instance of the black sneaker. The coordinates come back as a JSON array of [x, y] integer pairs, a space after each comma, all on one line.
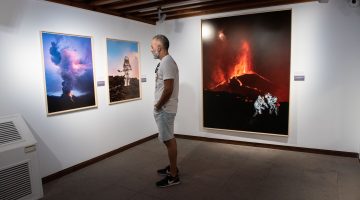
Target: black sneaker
[[168, 181], [166, 171]]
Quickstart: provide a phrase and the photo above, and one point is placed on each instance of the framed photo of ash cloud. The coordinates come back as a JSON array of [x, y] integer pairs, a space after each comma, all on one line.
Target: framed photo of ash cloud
[[69, 72], [123, 70], [246, 72]]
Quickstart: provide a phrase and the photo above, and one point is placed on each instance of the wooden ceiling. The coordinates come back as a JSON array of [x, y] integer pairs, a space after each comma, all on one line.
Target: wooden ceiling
[[147, 11]]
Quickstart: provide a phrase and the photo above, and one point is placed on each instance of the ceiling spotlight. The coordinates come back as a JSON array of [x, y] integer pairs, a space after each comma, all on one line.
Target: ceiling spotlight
[[161, 16]]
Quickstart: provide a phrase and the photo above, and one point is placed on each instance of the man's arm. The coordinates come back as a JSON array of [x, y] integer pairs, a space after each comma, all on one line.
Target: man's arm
[[166, 94]]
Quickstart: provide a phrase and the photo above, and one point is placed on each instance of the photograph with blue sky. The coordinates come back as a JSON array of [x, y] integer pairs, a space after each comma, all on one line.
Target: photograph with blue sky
[[69, 73], [123, 70], [116, 51]]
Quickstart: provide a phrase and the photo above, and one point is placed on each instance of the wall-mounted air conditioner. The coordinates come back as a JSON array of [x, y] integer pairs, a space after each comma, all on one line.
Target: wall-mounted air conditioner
[[19, 166]]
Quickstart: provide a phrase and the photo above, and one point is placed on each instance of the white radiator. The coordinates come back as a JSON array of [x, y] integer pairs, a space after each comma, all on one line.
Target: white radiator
[[19, 166]]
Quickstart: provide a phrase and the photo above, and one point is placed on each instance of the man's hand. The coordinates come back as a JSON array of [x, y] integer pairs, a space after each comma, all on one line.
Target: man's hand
[[165, 96], [156, 107]]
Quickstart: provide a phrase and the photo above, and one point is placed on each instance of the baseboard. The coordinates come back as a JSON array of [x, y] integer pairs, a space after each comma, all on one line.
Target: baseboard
[[94, 160], [189, 137], [272, 146]]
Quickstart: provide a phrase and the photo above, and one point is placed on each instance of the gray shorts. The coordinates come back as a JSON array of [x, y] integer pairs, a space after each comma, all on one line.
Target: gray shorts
[[165, 123]]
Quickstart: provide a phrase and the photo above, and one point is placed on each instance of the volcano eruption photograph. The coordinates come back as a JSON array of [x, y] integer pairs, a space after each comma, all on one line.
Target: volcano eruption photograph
[[246, 72], [123, 70], [69, 73]]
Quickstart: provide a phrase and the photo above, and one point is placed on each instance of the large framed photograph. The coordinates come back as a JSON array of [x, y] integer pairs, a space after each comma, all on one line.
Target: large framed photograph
[[246, 72], [68, 72], [123, 70]]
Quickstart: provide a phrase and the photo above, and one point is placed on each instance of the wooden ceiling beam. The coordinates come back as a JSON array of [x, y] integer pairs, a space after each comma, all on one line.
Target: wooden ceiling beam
[[168, 7], [183, 7], [74, 4], [133, 4], [101, 10], [104, 2], [146, 10], [230, 7], [153, 4]]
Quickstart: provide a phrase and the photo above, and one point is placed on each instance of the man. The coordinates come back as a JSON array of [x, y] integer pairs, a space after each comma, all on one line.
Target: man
[[165, 107]]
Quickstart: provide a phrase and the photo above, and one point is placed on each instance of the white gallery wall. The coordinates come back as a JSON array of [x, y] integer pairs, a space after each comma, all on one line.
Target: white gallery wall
[[68, 139], [325, 47]]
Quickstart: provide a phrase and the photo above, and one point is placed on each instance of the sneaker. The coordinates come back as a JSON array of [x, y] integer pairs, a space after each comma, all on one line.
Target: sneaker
[[166, 171], [168, 181]]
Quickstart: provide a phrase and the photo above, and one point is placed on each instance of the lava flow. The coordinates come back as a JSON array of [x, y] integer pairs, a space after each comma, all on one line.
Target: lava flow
[[243, 66]]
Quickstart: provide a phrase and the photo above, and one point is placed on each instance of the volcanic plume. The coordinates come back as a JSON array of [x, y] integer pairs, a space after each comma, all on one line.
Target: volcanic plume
[[72, 69], [241, 78], [68, 72]]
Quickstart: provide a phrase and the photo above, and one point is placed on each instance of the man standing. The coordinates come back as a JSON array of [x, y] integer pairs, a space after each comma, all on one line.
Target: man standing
[[165, 107]]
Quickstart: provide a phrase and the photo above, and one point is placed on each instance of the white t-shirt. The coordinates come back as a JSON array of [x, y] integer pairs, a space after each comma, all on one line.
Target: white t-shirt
[[168, 69]]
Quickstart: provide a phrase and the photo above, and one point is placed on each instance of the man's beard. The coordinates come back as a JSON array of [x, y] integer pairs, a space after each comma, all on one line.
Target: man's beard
[[156, 54]]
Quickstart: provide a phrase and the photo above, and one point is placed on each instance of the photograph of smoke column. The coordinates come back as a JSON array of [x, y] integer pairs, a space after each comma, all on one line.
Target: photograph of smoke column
[[69, 73], [123, 70], [246, 72]]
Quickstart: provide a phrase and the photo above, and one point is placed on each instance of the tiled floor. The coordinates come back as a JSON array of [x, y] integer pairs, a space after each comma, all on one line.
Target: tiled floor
[[213, 171]]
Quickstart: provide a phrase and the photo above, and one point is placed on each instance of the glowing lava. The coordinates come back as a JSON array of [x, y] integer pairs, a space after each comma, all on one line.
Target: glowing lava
[[244, 65], [71, 95]]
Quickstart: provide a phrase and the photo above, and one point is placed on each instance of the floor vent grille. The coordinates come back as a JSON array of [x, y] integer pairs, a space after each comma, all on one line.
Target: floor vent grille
[[8, 133], [15, 182]]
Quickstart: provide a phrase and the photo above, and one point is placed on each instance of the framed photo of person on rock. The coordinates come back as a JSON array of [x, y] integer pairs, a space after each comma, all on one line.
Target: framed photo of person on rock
[[123, 70]]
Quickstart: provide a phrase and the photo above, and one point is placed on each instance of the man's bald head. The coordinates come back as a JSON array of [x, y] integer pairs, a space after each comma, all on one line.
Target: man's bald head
[[163, 41]]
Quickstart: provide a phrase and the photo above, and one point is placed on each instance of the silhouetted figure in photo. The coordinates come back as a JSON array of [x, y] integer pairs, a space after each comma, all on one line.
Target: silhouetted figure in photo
[[126, 69]]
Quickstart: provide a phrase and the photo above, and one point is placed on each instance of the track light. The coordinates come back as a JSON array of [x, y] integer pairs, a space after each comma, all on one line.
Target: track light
[[161, 16]]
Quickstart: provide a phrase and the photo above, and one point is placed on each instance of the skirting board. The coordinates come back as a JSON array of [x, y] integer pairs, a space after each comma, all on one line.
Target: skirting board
[[271, 146], [189, 137], [74, 168]]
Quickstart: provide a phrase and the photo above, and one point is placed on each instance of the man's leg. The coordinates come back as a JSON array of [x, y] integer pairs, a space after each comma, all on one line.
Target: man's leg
[[166, 134], [172, 154]]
